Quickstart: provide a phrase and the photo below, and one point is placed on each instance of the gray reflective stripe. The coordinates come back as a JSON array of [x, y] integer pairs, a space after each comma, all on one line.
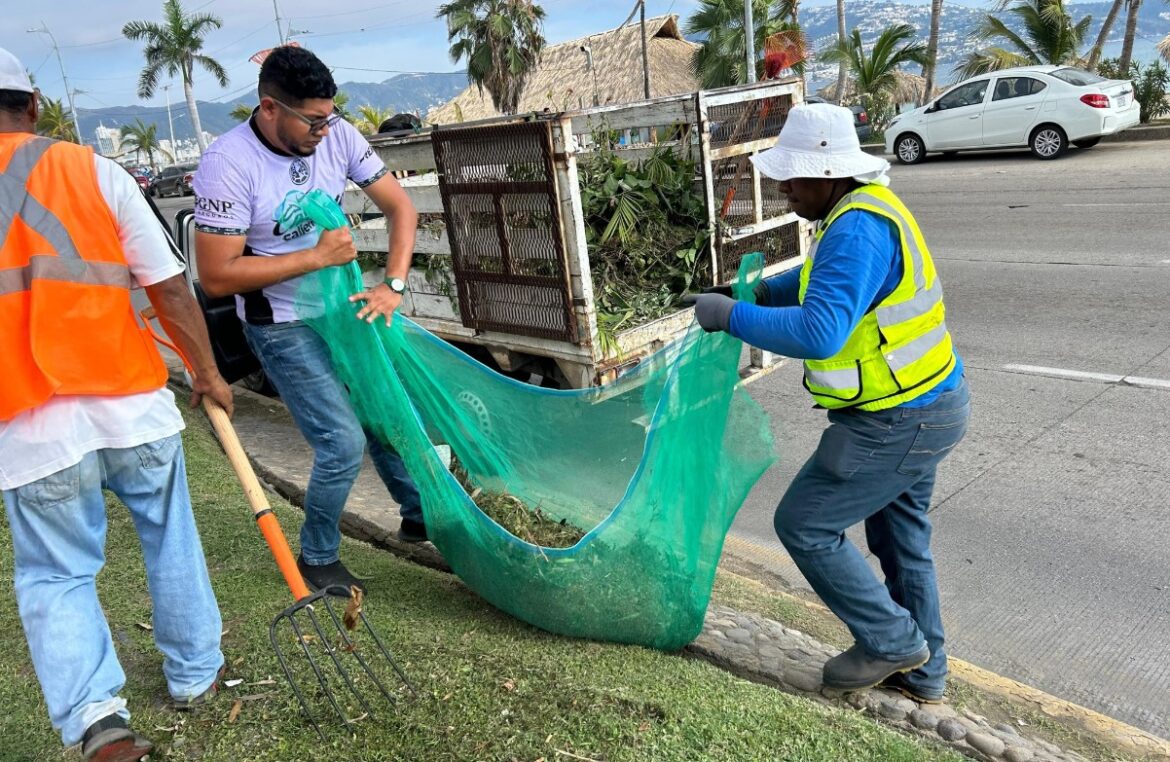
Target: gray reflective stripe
[[49, 267], [917, 349], [907, 233], [921, 304], [15, 199], [847, 378]]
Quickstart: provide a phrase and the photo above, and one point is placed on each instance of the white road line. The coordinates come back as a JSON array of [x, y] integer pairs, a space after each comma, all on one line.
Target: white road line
[[1082, 375], [1136, 203]]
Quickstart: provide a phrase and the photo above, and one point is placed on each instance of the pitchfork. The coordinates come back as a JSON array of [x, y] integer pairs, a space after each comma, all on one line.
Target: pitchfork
[[303, 622]]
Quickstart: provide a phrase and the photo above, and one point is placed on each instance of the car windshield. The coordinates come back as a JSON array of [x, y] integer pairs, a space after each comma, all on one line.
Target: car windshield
[[1078, 77]]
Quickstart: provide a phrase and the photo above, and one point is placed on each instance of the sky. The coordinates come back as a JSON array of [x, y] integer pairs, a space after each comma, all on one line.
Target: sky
[[362, 40]]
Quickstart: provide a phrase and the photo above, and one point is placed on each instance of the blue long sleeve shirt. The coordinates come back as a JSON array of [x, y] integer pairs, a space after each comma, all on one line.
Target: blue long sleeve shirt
[[858, 264]]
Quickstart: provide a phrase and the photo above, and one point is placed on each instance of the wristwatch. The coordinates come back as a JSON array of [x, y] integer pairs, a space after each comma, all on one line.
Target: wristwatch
[[397, 285]]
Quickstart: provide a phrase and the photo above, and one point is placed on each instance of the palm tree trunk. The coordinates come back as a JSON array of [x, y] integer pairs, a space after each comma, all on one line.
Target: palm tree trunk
[[932, 50], [1103, 35], [194, 111], [842, 69], [1127, 44]]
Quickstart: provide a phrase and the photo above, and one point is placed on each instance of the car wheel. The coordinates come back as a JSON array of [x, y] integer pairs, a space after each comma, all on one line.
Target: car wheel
[[1087, 142], [1048, 142], [909, 149]]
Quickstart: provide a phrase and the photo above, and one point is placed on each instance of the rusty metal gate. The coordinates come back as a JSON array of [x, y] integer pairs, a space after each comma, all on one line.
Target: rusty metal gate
[[746, 212], [498, 185]]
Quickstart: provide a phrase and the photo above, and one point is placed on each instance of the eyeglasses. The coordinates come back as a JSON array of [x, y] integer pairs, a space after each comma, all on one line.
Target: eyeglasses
[[315, 125]]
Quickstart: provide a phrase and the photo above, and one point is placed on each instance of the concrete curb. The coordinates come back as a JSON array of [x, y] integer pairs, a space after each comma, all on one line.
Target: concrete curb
[[282, 459]]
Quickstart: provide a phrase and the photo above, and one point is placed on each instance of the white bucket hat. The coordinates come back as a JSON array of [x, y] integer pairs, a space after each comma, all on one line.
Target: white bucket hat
[[12, 74], [818, 141]]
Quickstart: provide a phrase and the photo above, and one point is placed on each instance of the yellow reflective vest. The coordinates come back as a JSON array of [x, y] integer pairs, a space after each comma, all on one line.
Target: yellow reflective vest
[[901, 348]]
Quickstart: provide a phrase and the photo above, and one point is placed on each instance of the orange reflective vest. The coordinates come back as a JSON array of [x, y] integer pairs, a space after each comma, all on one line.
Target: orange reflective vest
[[66, 322]]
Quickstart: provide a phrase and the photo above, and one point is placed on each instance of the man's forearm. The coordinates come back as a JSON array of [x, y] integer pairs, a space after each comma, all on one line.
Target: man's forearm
[[404, 228], [240, 274], [179, 314]]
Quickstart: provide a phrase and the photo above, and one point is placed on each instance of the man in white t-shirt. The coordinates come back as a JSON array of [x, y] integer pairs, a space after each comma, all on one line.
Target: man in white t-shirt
[[84, 407], [253, 240]]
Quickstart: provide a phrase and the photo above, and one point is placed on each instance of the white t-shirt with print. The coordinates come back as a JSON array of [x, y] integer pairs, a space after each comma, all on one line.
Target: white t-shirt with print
[[58, 434], [246, 186]]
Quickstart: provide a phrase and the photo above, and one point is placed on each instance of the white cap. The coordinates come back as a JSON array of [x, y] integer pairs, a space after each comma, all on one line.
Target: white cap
[[12, 74], [819, 140]]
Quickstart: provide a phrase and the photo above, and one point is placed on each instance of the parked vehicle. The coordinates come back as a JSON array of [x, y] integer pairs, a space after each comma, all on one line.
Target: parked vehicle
[[860, 118], [175, 180], [1046, 108], [141, 176]]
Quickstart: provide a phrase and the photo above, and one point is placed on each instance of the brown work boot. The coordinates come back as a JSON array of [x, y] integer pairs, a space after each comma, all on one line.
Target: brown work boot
[[898, 682], [110, 739]]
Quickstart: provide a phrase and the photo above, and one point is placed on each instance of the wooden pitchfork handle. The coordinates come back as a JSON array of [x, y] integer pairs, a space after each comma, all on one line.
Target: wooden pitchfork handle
[[261, 509]]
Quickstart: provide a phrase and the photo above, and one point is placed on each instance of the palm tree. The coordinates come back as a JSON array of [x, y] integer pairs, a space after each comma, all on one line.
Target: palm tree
[[1103, 34], [174, 47], [55, 121], [842, 66], [1049, 36], [1130, 30], [876, 74], [142, 138], [500, 40], [242, 112], [341, 103], [722, 60], [931, 50], [1164, 48], [370, 118]]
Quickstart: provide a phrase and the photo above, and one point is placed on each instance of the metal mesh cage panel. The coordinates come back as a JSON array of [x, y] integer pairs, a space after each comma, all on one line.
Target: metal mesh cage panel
[[498, 185], [776, 245]]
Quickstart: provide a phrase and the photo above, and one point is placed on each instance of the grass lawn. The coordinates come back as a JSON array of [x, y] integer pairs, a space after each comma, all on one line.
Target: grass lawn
[[490, 687]]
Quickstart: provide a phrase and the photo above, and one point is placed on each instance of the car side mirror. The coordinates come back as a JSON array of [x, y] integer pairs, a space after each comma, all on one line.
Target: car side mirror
[[931, 108]]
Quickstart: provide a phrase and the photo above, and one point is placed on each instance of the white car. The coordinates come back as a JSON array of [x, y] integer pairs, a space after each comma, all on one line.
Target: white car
[[1045, 108]]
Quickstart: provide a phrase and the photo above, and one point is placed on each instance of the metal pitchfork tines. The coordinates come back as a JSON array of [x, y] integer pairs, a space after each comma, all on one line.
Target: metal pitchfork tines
[[330, 635]]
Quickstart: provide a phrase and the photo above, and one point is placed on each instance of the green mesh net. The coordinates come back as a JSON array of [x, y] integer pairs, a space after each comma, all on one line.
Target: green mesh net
[[651, 469]]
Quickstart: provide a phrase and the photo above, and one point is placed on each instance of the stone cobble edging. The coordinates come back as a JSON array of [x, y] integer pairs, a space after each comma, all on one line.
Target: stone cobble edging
[[766, 651]]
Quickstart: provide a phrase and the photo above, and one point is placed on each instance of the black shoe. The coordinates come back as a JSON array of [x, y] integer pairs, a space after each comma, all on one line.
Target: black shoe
[[320, 577], [110, 739], [898, 682], [855, 669], [412, 531]]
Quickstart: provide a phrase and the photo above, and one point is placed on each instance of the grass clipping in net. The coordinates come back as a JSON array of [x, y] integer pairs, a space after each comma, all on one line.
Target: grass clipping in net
[[510, 512]]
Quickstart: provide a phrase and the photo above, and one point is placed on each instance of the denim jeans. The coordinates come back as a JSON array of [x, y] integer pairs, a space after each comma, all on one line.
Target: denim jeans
[[58, 526], [878, 468], [296, 361]]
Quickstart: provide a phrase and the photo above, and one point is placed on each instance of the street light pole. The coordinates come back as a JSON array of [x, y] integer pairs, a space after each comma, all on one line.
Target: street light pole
[[749, 35], [279, 28], [44, 28]]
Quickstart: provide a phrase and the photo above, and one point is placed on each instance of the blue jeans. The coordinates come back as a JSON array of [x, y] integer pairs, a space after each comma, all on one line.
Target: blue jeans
[[58, 526], [878, 468], [296, 361]]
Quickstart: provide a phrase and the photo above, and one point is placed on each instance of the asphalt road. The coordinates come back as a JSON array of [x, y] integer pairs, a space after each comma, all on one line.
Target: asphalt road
[[1052, 518]]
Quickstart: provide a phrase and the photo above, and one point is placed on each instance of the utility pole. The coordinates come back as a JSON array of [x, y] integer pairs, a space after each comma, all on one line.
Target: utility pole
[[44, 29], [279, 28], [749, 36], [170, 123]]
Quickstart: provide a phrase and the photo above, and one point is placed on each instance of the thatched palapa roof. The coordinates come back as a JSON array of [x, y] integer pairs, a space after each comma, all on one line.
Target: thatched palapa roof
[[562, 80], [908, 90]]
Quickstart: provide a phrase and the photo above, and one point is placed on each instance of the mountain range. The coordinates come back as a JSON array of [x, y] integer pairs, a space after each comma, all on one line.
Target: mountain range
[[418, 92], [414, 93]]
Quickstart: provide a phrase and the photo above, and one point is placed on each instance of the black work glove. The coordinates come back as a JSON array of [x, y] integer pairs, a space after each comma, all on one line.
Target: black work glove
[[713, 310], [761, 292]]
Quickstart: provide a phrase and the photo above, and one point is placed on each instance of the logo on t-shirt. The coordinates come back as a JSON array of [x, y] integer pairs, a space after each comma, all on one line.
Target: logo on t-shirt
[[298, 171]]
